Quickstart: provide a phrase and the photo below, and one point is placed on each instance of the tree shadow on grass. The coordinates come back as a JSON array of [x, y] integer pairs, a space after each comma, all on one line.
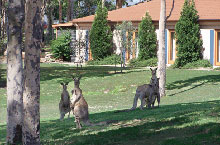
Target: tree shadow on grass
[[170, 124], [66, 72], [173, 124], [193, 82]]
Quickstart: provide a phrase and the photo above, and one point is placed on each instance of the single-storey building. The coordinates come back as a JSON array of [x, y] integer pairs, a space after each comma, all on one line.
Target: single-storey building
[[209, 21]]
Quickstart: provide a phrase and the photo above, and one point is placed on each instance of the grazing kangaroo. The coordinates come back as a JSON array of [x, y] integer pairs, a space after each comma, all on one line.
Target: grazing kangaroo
[[79, 107], [64, 105]]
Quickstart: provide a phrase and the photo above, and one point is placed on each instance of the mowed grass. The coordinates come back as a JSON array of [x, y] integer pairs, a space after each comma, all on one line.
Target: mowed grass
[[189, 114]]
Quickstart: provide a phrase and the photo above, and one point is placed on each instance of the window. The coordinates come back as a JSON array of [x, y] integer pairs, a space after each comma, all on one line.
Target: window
[[171, 47], [217, 48]]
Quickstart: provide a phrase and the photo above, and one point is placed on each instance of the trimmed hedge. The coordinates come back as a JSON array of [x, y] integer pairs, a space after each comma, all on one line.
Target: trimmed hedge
[[152, 62], [109, 60]]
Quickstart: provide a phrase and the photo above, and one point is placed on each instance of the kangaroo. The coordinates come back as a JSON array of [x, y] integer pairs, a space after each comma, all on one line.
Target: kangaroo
[[147, 93], [64, 105], [79, 107]]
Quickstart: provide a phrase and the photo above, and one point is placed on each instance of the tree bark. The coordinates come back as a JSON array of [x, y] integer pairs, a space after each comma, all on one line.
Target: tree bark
[[49, 11], [72, 9], [161, 53], [68, 11], [15, 15], [103, 3], [60, 12], [119, 4], [33, 35]]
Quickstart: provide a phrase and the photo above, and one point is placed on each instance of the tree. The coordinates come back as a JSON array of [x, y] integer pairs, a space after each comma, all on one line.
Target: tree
[[125, 41], [100, 35], [161, 51], [147, 39], [15, 73], [60, 12], [188, 39], [103, 3], [31, 98]]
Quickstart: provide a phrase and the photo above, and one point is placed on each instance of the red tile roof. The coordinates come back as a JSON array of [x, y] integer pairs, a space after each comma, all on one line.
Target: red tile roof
[[207, 10]]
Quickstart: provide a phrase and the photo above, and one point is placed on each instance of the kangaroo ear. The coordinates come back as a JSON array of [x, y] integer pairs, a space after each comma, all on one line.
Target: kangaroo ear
[[67, 83], [61, 84]]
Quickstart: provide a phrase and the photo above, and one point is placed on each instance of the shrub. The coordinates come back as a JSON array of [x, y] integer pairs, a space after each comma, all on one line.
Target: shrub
[[147, 39], [61, 47], [188, 40], [110, 60], [152, 62], [100, 35], [197, 64]]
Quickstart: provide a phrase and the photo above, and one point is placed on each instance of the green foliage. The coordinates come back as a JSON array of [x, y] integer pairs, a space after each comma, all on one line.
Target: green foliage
[[202, 63], [196, 64], [152, 62], [100, 35], [61, 47], [109, 60], [188, 39], [147, 39]]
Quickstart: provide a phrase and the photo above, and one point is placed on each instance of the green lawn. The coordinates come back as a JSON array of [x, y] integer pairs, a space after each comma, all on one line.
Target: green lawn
[[189, 114]]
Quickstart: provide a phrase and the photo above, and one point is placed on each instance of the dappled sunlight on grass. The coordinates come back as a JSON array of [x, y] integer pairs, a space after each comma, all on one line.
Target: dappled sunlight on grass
[[189, 114]]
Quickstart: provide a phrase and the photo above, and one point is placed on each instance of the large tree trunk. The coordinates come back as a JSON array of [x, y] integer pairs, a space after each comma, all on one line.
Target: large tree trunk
[[33, 38], [119, 4], [161, 53], [15, 72], [60, 12]]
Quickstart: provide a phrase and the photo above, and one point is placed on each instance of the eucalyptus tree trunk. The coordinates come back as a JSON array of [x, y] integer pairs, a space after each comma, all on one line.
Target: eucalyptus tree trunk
[[161, 51], [68, 10], [72, 9], [49, 11], [31, 99], [15, 72], [103, 3], [119, 4], [60, 12]]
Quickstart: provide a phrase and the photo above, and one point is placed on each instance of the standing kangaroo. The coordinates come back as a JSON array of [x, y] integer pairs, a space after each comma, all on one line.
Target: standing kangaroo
[[146, 93], [64, 105], [79, 107]]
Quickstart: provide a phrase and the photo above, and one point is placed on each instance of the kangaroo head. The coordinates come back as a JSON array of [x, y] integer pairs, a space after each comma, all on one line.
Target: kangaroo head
[[153, 72], [64, 85], [77, 81]]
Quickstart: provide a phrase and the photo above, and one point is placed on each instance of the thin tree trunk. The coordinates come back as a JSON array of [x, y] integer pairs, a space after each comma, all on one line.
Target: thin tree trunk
[[119, 4], [50, 20], [60, 12], [72, 9], [33, 35], [161, 53], [15, 15], [68, 11], [103, 3]]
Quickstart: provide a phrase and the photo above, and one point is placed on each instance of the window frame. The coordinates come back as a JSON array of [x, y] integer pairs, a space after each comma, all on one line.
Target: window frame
[[216, 50], [169, 47]]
